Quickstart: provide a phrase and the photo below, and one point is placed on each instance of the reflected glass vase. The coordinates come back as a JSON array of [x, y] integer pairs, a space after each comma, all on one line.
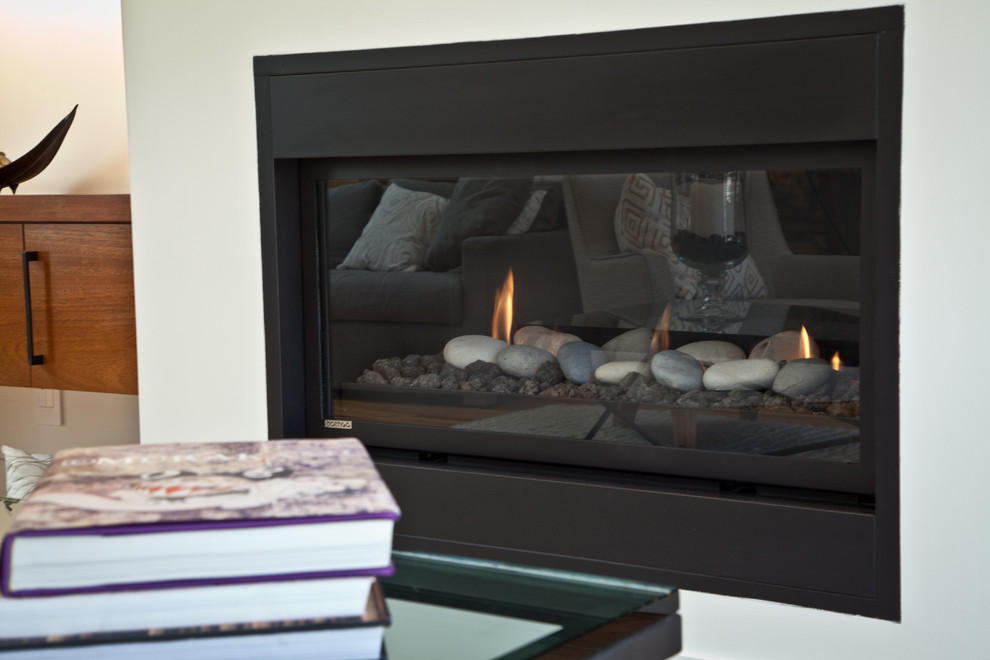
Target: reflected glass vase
[[708, 233]]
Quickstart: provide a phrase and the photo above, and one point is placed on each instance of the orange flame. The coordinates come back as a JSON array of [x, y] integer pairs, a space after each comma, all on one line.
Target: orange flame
[[661, 338], [836, 362], [805, 344], [502, 317]]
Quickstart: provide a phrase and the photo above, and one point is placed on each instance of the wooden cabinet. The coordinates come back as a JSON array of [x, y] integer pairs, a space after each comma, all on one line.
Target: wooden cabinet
[[14, 368], [67, 287]]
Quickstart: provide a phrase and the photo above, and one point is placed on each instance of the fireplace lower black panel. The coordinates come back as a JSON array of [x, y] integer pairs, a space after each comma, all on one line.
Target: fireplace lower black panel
[[696, 539], [823, 87]]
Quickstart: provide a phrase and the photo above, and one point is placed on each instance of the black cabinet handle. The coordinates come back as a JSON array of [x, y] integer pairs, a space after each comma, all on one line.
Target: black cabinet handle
[[26, 258]]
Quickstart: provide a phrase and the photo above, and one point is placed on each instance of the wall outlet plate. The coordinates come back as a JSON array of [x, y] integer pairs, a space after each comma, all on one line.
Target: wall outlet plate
[[48, 407]]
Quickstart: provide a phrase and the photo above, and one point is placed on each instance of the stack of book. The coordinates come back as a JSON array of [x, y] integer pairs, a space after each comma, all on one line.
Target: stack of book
[[201, 550]]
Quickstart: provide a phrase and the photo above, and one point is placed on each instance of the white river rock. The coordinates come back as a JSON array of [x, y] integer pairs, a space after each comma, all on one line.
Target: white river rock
[[545, 338], [756, 374], [784, 347], [800, 377], [462, 351], [713, 351], [631, 345], [678, 370], [613, 372], [522, 361]]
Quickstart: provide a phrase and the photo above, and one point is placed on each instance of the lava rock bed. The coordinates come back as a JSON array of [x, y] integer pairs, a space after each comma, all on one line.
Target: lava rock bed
[[840, 398]]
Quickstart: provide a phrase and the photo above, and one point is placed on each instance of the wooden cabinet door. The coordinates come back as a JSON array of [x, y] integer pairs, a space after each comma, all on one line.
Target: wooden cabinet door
[[82, 295], [14, 368]]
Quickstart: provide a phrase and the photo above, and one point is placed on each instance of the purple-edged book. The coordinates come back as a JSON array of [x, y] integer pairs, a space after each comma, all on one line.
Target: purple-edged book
[[188, 514], [29, 636]]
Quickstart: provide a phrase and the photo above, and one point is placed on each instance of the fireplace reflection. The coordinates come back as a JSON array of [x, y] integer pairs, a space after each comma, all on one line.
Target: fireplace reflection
[[555, 310]]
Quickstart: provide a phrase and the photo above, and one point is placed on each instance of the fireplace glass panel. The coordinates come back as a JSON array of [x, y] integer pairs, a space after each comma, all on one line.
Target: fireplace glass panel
[[414, 277]]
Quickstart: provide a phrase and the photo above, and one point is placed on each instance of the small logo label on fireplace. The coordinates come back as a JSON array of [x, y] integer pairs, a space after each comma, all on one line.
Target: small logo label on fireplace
[[337, 423]]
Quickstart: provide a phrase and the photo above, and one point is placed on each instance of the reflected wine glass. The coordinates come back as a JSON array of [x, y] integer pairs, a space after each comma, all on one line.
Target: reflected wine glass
[[708, 233]]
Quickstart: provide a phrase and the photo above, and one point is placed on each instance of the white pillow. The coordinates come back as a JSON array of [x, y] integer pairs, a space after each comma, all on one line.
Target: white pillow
[[23, 471], [527, 214], [642, 222], [399, 232]]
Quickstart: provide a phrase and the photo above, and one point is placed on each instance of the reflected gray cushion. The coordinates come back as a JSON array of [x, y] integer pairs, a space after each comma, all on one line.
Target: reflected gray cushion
[[478, 207], [348, 209], [527, 215], [551, 214], [399, 232]]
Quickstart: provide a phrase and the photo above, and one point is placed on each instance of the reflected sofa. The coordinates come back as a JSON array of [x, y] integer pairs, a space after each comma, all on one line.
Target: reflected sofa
[[417, 309]]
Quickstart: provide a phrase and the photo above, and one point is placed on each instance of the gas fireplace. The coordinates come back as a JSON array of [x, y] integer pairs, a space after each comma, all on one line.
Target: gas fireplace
[[622, 303]]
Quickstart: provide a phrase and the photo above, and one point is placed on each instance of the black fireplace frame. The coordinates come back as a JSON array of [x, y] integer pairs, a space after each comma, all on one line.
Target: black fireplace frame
[[834, 88]]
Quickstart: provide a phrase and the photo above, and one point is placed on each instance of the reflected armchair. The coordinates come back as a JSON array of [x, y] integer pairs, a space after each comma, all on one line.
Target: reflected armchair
[[610, 278]]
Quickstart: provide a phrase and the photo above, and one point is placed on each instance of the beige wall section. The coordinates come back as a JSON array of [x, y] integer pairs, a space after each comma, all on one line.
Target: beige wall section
[[55, 54], [88, 420]]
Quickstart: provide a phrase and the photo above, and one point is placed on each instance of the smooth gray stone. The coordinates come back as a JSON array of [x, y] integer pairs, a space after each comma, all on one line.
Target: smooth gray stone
[[631, 345], [522, 361], [757, 374], [545, 338], [784, 347], [462, 351], [801, 377], [579, 359], [713, 351], [613, 372], [677, 370]]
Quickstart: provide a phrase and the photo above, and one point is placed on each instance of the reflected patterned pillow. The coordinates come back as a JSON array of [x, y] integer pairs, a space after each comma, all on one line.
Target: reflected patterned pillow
[[642, 222], [399, 232], [23, 471], [528, 214]]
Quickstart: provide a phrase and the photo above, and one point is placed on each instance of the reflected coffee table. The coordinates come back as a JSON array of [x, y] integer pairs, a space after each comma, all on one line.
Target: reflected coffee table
[[467, 609]]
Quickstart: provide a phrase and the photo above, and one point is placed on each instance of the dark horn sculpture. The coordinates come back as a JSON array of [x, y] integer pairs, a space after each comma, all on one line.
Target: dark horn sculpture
[[35, 161]]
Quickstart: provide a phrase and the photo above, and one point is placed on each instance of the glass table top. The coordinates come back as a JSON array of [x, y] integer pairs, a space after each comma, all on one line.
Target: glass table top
[[464, 609]]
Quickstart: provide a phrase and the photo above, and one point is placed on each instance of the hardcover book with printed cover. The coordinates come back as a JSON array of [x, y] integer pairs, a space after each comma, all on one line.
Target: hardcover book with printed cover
[[166, 515], [357, 637]]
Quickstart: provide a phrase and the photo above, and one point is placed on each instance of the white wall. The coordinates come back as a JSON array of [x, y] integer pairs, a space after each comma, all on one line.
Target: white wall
[[55, 54], [200, 330]]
